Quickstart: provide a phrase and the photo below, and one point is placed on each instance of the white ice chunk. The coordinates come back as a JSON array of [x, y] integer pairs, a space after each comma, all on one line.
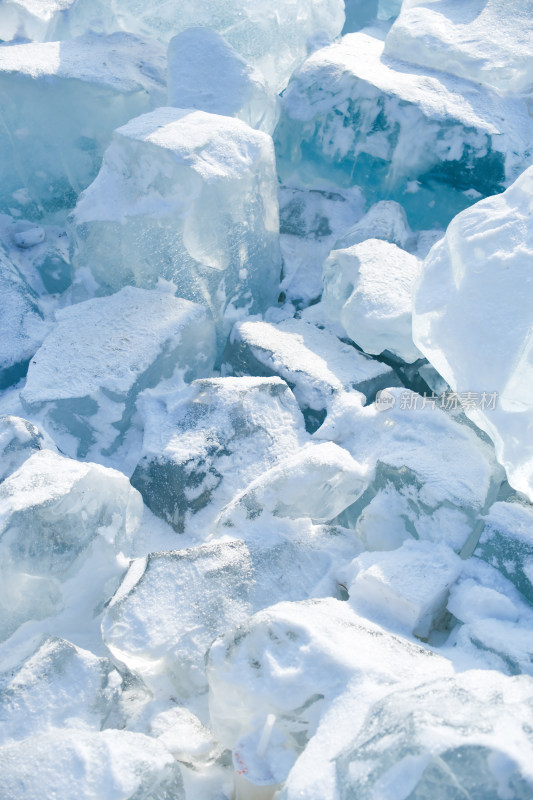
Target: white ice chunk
[[112, 764], [385, 220], [314, 362], [489, 42], [205, 72], [351, 116], [85, 379], [205, 445], [189, 197], [473, 320], [368, 288], [406, 588], [74, 94], [19, 439]]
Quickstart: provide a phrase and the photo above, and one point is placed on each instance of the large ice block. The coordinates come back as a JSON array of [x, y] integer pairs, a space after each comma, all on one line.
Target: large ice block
[[314, 362], [87, 375], [473, 320], [19, 439], [205, 72], [189, 197], [488, 42], [74, 94], [368, 288], [23, 324], [204, 446], [353, 117], [106, 765]]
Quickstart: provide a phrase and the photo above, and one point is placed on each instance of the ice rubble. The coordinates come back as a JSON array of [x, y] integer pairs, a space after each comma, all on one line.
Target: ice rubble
[[189, 197], [75, 94]]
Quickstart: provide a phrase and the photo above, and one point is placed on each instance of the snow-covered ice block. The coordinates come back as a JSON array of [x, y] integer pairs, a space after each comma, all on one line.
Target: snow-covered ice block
[[351, 116], [293, 659], [385, 220], [20, 19], [368, 288], [19, 439], [172, 605], [55, 685], [473, 316], [86, 377], [74, 94], [205, 72], [111, 764], [314, 362], [489, 42], [51, 509], [507, 544], [407, 587], [318, 482], [463, 736], [23, 325], [189, 197], [205, 445]]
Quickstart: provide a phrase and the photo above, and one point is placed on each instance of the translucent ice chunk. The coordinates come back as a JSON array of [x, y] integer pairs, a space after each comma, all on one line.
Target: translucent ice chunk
[[385, 220], [196, 205], [19, 439], [85, 379], [368, 289], [40, 252], [473, 320], [457, 39], [350, 116], [202, 447], [172, 605], [507, 544], [406, 588], [56, 685], [205, 72], [35, 21], [359, 13], [23, 325], [75, 94], [112, 764], [51, 509]]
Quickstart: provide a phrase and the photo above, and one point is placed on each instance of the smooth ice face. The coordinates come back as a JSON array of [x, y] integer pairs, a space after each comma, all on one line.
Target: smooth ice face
[[368, 289], [172, 605], [55, 685], [51, 509], [203, 446], [314, 362], [489, 42], [101, 353], [205, 72], [23, 325], [19, 439], [272, 36], [473, 317], [189, 197], [75, 94], [111, 764], [351, 116], [466, 736]]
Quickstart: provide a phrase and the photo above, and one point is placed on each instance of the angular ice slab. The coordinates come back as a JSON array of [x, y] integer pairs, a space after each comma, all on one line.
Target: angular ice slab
[[205, 72], [352, 117], [189, 197], [507, 544], [19, 439], [205, 445], [74, 94], [489, 42], [473, 317], [23, 325], [87, 375], [51, 509], [459, 737], [314, 362], [55, 685], [107, 765], [368, 288], [406, 588], [172, 605]]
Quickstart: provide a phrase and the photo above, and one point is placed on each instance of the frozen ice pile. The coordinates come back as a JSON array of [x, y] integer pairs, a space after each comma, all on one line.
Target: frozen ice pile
[[266, 400]]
